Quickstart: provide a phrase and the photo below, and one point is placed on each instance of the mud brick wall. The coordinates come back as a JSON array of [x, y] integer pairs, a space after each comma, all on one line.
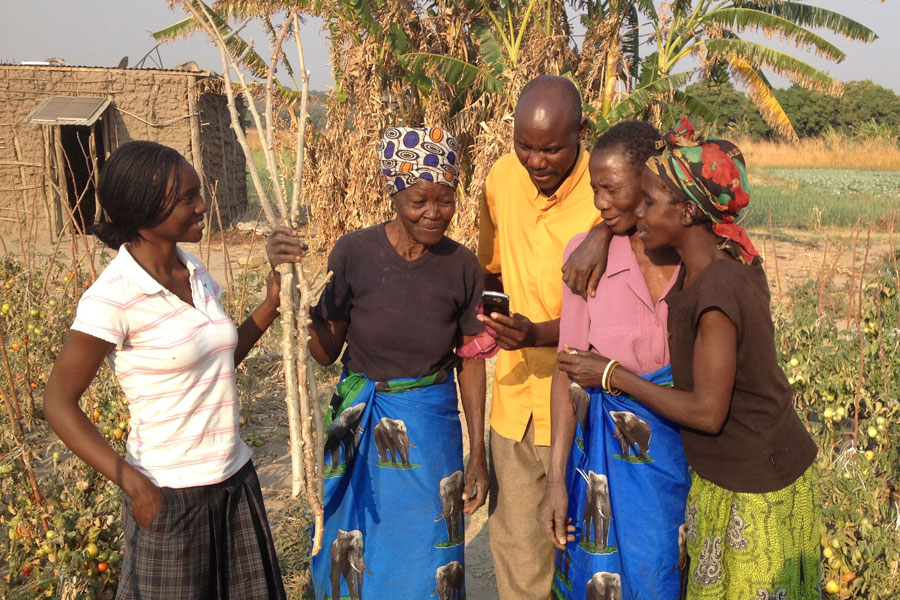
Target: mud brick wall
[[145, 105]]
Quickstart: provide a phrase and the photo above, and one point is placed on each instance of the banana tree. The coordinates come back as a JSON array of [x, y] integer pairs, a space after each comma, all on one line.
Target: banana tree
[[709, 30], [610, 57]]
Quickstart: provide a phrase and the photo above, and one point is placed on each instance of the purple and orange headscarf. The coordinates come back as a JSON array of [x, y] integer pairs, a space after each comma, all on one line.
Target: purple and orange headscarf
[[412, 154], [713, 175]]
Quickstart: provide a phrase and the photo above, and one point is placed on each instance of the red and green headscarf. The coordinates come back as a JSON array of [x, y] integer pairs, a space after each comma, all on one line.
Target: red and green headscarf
[[712, 174]]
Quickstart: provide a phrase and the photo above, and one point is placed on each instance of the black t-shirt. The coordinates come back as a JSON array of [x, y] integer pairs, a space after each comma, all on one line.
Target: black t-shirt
[[763, 446], [405, 316]]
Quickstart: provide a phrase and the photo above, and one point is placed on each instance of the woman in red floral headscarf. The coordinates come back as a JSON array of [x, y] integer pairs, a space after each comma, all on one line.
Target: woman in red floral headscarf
[[751, 522]]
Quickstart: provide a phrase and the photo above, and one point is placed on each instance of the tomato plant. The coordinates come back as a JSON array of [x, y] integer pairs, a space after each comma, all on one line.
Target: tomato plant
[[843, 370]]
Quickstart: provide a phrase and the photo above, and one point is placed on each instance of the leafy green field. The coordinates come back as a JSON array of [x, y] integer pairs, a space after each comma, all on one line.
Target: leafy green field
[[259, 159], [812, 198]]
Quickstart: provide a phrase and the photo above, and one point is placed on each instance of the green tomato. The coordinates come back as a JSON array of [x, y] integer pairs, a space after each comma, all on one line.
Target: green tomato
[[828, 413], [794, 362], [872, 432]]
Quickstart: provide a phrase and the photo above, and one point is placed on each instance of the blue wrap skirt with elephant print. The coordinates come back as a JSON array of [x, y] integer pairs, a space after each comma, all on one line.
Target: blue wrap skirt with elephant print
[[628, 481], [393, 492]]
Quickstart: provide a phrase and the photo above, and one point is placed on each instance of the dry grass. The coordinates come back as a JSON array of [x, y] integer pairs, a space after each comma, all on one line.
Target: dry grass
[[833, 151]]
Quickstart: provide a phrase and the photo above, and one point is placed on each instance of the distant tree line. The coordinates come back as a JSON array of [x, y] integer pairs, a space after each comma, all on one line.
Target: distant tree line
[[866, 109]]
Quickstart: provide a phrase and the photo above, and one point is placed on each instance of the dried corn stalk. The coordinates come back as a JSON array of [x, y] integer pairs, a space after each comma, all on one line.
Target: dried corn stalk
[[298, 291]]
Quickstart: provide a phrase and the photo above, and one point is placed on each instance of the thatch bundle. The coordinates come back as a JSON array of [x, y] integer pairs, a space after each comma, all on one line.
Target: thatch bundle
[[374, 90]]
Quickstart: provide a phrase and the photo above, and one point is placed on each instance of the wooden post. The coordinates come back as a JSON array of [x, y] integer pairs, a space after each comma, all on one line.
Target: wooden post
[[54, 211], [95, 170], [62, 185], [196, 148], [19, 218]]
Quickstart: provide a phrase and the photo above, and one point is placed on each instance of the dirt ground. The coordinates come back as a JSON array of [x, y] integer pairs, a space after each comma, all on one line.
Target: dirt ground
[[792, 257]]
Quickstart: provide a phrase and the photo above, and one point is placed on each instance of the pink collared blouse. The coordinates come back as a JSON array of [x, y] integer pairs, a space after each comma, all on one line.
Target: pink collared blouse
[[621, 321]]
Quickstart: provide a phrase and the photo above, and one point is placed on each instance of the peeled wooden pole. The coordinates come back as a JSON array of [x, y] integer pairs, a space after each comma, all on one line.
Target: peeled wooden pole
[[291, 384], [297, 292]]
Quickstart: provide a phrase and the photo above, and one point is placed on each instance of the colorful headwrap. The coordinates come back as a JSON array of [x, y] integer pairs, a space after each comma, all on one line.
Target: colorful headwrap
[[409, 154], [712, 174]]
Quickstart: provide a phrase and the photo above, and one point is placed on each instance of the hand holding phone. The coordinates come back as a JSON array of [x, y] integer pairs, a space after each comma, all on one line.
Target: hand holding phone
[[495, 302]]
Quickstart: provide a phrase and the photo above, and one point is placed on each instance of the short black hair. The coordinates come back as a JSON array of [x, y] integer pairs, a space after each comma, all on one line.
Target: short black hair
[[567, 93], [636, 138], [132, 190]]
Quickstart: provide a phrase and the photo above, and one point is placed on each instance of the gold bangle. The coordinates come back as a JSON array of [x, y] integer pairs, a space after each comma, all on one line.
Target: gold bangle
[[603, 378], [613, 391]]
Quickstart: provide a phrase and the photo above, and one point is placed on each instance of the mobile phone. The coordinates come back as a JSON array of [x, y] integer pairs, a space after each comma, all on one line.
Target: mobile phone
[[495, 302]]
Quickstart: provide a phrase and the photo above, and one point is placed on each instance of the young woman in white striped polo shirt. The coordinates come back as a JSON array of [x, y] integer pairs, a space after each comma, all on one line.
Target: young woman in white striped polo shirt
[[195, 524]]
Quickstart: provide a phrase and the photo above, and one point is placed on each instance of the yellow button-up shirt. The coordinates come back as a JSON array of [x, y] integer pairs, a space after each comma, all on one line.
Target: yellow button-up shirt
[[522, 236]]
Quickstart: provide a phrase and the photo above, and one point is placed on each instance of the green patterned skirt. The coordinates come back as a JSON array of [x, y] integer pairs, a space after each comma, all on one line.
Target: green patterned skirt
[[754, 546]]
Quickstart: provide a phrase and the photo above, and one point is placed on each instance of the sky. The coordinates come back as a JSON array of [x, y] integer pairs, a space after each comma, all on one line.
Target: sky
[[101, 32]]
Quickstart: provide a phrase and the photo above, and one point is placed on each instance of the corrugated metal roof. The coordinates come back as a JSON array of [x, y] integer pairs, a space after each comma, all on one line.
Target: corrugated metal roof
[[66, 110]]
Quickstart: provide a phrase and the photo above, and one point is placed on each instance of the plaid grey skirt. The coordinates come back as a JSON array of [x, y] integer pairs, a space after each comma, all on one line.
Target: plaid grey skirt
[[207, 542]]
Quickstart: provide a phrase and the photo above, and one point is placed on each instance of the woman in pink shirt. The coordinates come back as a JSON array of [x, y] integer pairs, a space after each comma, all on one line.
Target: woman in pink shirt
[[618, 478]]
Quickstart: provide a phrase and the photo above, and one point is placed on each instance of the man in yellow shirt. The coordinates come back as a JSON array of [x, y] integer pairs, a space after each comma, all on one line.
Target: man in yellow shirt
[[535, 200]]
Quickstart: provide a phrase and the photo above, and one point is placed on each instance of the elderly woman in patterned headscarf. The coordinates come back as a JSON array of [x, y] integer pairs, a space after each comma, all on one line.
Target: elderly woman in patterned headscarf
[[751, 522], [403, 297]]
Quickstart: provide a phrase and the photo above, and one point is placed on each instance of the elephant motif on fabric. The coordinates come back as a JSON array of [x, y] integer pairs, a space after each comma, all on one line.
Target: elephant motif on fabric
[[604, 586], [582, 402], [347, 561], [392, 440], [597, 509], [451, 489], [632, 432], [449, 581], [344, 431], [563, 564]]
